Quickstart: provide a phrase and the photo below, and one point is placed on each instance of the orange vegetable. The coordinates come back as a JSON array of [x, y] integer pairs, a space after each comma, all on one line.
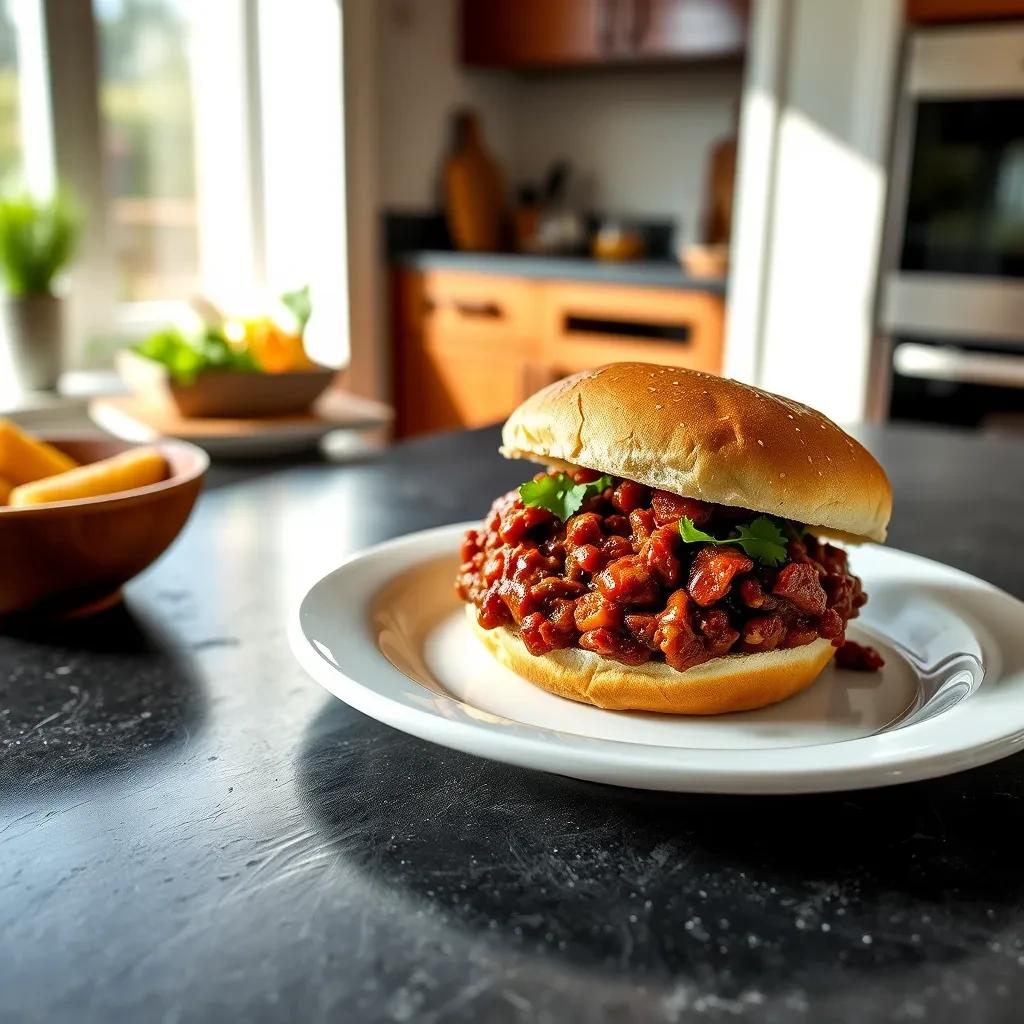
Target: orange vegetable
[[274, 350], [24, 459], [134, 468]]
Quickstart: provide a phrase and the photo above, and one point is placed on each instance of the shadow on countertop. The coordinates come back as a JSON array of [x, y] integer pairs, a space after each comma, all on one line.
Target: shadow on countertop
[[762, 891], [65, 718]]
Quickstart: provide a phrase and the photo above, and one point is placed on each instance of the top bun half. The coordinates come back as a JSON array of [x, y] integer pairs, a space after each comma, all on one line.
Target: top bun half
[[709, 438]]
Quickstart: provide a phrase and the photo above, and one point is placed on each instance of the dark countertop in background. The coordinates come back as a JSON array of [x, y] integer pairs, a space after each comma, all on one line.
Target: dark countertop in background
[[644, 273], [191, 830]]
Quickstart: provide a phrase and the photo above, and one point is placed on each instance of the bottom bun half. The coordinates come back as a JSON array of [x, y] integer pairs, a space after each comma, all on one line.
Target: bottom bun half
[[737, 682]]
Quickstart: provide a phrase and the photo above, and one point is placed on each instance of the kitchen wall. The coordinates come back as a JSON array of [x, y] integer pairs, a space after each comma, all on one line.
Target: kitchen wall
[[420, 81], [641, 138]]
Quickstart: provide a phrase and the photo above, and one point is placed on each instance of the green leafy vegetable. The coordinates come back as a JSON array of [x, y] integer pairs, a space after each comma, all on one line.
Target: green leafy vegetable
[[762, 539], [559, 494], [301, 305], [185, 357]]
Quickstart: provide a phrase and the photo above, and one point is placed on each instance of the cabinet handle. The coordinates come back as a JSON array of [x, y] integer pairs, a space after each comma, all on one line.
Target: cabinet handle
[[474, 308], [580, 323], [482, 309]]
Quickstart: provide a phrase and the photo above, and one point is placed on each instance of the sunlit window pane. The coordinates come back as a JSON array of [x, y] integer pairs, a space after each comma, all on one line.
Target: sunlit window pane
[[149, 147], [10, 126]]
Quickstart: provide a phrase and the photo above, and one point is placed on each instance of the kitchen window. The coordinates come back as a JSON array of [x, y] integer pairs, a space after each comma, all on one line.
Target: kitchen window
[[148, 145], [202, 168], [10, 121]]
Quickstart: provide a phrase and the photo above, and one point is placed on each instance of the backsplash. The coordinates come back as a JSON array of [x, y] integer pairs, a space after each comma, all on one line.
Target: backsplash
[[405, 231], [639, 140]]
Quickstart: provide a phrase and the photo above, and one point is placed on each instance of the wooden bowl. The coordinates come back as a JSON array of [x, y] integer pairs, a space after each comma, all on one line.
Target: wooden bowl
[[222, 393], [74, 556]]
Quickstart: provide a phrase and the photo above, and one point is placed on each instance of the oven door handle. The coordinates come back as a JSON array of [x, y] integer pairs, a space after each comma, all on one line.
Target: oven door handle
[[958, 366]]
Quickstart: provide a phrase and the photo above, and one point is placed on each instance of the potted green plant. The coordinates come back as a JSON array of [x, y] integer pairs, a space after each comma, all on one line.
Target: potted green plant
[[37, 239]]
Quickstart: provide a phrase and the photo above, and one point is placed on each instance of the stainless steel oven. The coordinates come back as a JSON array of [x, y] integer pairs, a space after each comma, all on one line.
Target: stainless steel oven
[[953, 295]]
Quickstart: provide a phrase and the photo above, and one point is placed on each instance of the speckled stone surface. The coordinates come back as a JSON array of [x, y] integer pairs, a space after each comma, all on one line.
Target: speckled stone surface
[[191, 830]]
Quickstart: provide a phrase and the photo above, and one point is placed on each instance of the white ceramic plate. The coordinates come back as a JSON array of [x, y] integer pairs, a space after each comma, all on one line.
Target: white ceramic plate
[[385, 633]]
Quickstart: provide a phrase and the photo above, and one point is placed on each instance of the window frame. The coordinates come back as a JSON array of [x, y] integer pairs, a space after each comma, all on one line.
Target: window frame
[[232, 194]]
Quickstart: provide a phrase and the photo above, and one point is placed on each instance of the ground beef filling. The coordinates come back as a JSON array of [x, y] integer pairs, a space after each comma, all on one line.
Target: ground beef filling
[[617, 579]]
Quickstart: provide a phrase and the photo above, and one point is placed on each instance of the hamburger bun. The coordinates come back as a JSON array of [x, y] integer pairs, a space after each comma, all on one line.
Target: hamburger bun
[[737, 682], [709, 438]]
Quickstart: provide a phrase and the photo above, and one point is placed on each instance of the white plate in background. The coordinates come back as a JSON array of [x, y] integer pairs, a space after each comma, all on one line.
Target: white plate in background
[[128, 418]]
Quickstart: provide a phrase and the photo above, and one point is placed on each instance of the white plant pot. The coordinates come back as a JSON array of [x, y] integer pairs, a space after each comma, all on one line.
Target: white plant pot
[[31, 341]]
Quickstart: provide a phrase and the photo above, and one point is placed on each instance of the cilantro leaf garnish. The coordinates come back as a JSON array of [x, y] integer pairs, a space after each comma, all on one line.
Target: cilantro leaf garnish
[[559, 494], [762, 539]]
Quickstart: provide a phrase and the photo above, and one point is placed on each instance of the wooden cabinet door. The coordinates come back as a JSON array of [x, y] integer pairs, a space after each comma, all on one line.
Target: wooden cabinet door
[[925, 11], [566, 33], [467, 349], [537, 33], [587, 325], [449, 389], [695, 29], [472, 387], [486, 308]]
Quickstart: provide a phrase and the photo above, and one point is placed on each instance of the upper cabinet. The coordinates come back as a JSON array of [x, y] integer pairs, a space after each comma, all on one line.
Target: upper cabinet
[[580, 33], [697, 29], [925, 11], [535, 33]]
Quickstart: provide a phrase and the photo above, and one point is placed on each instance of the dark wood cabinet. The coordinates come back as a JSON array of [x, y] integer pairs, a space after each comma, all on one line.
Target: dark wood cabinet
[[535, 33], [581, 33], [940, 11]]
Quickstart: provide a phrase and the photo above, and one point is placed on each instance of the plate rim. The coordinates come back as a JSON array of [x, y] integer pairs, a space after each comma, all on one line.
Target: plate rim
[[622, 762]]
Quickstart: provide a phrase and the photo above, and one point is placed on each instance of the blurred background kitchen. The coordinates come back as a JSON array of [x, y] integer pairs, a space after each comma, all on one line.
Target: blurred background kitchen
[[431, 208]]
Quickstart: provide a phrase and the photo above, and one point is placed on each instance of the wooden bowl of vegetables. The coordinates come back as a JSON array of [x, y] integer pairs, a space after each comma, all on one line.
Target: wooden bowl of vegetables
[[229, 368], [80, 517]]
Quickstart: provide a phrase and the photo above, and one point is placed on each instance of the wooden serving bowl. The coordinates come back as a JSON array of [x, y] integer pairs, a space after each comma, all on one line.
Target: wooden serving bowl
[[73, 556], [225, 394]]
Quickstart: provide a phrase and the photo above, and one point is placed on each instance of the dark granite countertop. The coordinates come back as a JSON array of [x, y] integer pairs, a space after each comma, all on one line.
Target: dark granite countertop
[[191, 830], [649, 273]]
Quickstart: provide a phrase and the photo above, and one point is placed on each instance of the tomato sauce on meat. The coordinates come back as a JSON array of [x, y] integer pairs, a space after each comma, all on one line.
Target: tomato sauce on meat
[[617, 579]]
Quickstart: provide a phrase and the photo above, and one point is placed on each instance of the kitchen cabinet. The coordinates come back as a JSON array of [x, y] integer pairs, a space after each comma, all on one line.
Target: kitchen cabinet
[[471, 346], [452, 306], [535, 33], [466, 347], [462, 386], [937, 11], [585, 325], [566, 33], [666, 29]]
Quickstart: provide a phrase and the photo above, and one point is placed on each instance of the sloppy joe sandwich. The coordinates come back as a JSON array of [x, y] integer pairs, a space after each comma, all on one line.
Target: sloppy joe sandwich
[[675, 554]]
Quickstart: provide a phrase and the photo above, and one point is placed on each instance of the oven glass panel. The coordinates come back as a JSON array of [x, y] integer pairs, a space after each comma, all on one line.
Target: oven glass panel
[[965, 211]]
